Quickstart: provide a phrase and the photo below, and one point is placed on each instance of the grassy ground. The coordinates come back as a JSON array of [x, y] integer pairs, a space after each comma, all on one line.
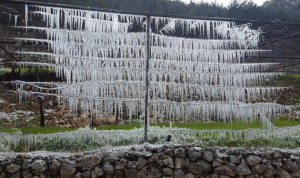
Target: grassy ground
[[236, 125], [25, 70], [283, 122], [295, 79]]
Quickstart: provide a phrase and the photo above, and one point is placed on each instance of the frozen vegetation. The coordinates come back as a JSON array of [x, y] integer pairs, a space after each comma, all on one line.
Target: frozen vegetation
[[102, 56], [88, 139]]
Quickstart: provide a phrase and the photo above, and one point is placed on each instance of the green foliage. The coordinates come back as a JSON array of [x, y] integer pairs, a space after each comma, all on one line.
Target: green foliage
[[118, 127], [45, 130], [279, 84], [235, 125], [25, 70], [297, 98], [295, 79], [284, 121], [13, 130]]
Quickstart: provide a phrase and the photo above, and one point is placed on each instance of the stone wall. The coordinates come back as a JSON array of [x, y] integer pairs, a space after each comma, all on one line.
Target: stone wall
[[169, 160]]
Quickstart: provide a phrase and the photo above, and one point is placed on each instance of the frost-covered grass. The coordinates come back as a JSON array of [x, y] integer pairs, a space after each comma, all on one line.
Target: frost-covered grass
[[276, 143], [89, 139], [236, 134], [4, 70]]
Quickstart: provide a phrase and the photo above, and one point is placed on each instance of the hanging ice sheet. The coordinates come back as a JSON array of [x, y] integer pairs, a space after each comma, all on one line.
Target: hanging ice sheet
[[102, 57], [101, 60], [196, 61]]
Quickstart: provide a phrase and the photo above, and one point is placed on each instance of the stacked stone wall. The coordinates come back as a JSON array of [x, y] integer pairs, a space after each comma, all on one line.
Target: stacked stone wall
[[169, 160]]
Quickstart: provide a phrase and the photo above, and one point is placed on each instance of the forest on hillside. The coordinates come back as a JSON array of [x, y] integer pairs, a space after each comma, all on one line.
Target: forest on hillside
[[284, 10]]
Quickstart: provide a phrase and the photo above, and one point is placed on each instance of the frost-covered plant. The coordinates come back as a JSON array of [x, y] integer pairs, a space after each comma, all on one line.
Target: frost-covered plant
[[88, 139], [197, 71], [102, 56]]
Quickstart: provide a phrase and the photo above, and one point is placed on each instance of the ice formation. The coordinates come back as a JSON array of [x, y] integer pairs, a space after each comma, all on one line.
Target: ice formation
[[102, 56], [87, 139]]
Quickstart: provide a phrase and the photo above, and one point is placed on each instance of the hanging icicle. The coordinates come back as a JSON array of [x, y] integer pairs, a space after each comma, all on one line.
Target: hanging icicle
[[102, 58], [26, 15]]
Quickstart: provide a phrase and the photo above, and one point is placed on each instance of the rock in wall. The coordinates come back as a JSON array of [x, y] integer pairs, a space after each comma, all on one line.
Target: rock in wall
[[168, 160]]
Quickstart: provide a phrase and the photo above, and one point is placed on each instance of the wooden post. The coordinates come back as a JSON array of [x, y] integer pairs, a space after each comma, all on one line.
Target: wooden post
[[117, 115], [42, 124], [36, 68], [147, 80], [272, 57], [36, 74], [13, 69], [283, 61]]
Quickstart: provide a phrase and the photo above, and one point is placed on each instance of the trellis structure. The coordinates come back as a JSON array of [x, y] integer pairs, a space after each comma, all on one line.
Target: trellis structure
[[151, 66]]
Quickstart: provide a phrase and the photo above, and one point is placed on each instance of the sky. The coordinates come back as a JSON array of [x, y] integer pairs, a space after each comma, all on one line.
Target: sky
[[224, 2]]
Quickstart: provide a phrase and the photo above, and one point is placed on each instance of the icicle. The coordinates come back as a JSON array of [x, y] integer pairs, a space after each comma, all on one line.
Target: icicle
[[195, 78], [26, 15], [16, 19], [9, 18]]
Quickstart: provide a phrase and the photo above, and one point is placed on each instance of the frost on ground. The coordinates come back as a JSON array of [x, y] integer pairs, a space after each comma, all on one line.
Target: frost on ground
[[89, 139]]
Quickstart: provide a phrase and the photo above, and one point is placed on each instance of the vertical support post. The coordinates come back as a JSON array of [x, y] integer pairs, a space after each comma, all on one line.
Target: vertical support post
[[283, 61], [36, 74], [13, 70], [272, 57], [117, 114], [36, 68], [42, 120], [148, 53]]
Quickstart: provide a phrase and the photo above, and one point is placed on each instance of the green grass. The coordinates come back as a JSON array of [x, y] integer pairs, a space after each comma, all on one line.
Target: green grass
[[25, 70], [295, 79], [235, 125], [195, 125], [4, 70], [13, 130], [297, 98], [118, 127], [284, 121], [45, 130]]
